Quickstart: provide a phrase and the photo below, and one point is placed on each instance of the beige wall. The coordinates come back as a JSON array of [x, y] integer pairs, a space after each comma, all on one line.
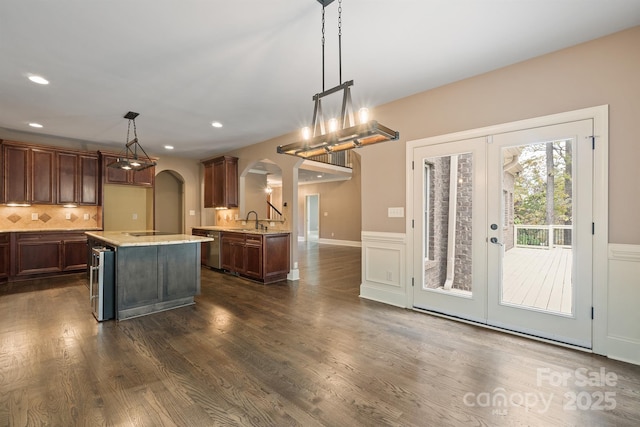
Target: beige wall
[[341, 202], [168, 197], [127, 208], [255, 198], [189, 171], [603, 71]]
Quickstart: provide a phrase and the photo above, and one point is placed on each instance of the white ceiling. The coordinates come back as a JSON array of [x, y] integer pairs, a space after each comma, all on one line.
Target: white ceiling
[[254, 65]]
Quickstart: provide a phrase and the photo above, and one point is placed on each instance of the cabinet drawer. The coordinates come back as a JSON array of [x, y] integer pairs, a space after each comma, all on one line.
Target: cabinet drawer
[[252, 239]]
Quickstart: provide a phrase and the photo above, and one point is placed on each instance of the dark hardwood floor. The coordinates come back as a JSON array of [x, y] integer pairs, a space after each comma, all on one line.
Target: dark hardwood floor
[[288, 354]]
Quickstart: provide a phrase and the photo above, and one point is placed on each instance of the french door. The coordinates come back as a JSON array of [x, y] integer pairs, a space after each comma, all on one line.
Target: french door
[[502, 234]]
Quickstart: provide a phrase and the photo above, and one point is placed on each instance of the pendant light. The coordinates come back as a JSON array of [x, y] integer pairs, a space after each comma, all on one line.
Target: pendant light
[[342, 134], [132, 157]]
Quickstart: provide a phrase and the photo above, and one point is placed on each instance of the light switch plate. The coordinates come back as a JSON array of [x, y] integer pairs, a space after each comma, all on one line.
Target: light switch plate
[[34, 216], [395, 212], [192, 213]]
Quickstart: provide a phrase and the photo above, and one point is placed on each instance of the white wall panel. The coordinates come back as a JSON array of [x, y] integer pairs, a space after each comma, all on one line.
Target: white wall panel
[[623, 314], [383, 267]]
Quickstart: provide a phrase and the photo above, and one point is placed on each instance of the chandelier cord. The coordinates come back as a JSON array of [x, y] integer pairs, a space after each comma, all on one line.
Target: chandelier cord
[[340, 41], [323, 47]]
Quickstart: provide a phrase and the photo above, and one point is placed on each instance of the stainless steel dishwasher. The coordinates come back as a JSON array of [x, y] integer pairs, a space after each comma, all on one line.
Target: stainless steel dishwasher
[[210, 250]]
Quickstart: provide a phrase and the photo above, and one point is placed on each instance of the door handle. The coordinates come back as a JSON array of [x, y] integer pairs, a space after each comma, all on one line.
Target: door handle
[[494, 240]]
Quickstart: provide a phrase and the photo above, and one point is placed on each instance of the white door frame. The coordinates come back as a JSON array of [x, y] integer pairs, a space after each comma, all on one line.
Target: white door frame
[[600, 116]]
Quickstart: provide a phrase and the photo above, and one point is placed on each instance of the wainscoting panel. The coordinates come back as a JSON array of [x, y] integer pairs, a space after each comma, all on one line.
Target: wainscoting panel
[[623, 313], [383, 268]]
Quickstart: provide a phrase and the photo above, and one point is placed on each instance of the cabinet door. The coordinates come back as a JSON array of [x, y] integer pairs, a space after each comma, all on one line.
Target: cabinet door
[[144, 177], [4, 256], [16, 187], [233, 252], [253, 266], [113, 175], [238, 257], [74, 254], [89, 180], [208, 183], [42, 176], [67, 177], [231, 182], [38, 256], [225, 182], [276, 256], [221, 182]]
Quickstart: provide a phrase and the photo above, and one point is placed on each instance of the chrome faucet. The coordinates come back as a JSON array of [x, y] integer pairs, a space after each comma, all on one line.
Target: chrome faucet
[[249, 213]]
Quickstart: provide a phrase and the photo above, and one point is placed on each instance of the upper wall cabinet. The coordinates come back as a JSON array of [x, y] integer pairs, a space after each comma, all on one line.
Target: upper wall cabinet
[[28, 174], [144, 178], [78, 181], [46, 175], [221, 182]]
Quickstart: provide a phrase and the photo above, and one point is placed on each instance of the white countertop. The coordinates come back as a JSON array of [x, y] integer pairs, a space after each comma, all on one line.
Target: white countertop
[[125, 238]]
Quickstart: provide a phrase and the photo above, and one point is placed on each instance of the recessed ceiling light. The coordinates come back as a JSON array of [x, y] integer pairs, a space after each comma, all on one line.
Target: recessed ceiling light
[[38, 79], [216, 124], [35, 125], [168, 147]]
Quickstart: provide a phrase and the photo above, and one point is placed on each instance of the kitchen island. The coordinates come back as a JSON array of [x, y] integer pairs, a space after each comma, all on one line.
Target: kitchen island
[[153, 271]]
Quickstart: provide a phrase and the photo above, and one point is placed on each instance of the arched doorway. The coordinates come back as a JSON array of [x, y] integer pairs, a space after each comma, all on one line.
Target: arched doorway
[[169, 202]]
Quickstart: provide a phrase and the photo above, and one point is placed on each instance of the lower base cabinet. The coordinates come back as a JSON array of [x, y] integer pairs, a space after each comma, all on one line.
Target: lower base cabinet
[[261, 257], [25, 255], [5, 251]]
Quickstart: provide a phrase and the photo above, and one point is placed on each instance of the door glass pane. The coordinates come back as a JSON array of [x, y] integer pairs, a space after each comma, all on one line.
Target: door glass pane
[[537, 190], [447, 223]]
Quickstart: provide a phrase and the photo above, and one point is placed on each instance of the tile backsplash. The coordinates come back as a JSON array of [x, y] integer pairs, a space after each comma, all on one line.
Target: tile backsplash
[[227, 218], [47, 217]]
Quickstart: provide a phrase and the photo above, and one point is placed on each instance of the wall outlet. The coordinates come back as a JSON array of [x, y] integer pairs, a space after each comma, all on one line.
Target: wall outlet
[[86, 217], [326, 214], [67, 216], [192, 213], [395, 212], [135, 216], [34, 217]]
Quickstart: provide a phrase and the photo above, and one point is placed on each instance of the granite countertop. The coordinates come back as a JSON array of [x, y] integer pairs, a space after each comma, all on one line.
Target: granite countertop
[[244, 229], [134, 238], [47, 230]]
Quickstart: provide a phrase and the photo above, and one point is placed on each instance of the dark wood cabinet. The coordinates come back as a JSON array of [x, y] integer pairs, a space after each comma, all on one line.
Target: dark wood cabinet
[[39, 253], [78, 181], [221, 182], [5, 253], [233, 255], [261, 257], [43, 180], [253, 256], [15, 171], [45, 175], [144, 178], [28, 174]]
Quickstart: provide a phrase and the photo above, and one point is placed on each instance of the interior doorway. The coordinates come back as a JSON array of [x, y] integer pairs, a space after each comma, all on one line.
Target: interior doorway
[[169, 202], [312, 217]]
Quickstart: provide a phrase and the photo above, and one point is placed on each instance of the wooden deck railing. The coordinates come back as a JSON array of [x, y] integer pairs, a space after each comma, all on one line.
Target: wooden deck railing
[[537, 236]]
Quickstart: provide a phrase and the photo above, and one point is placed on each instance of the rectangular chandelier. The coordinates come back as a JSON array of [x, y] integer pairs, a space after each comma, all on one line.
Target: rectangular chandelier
[[343, 134]]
